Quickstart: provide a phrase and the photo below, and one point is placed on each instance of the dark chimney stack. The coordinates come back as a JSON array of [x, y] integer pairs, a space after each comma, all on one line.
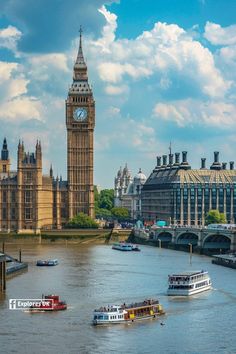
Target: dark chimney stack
[[224, 165], [164, 160], [158, 161], [203, 163], [171, 156], [177, 156], [184, 163], [184, 156], [216, 157], [231, 164], [216, 164]]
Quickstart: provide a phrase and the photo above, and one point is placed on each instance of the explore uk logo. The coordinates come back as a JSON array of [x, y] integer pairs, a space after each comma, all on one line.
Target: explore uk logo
[[32, 304]]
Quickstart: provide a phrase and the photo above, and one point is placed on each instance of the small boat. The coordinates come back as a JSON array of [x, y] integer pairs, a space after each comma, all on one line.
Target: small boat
[[48, 263], [115, 314], [122, 246], [48, 303], [135, 248], [188, 283]]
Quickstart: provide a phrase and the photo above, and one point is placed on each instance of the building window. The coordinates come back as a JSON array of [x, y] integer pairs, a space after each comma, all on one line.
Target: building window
[[13, 213], [13, 196], [28, 177], [63, 212], [4, 196], [28, 213], [4, 168], [27, 197], [4, 214]]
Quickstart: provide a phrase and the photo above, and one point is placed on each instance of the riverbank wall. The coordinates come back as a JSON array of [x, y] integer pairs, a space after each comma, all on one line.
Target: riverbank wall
[[68, 235]]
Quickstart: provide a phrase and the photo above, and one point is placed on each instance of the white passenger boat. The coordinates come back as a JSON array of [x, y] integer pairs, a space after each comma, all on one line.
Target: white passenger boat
[[47, 263], [188, 283], [115, 314], [122, 246]]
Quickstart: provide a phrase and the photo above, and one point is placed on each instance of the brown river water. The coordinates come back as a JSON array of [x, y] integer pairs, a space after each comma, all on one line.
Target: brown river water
[[90, 276]]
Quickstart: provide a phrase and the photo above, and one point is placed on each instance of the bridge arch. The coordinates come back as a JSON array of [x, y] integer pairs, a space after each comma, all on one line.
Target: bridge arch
[[187, 237], [164, 236], [216, 242]]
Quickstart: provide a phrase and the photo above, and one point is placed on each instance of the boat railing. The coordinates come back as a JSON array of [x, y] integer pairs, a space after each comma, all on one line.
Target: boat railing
[[108, 309], [147, 302], [189, 280]]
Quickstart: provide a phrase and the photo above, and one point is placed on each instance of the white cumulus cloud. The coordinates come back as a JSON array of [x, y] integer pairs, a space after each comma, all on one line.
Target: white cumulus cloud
[[15, 105], [218, 35], [165, 50], [116, 90], [9, 37], [185, 112], [19, 109]]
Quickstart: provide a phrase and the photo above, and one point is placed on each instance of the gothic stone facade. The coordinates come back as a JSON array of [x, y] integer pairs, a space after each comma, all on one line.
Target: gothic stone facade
[[30, 201], [127, 191]]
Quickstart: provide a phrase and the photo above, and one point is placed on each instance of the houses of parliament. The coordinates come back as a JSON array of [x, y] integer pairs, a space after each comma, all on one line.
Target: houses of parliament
[[31, 201]]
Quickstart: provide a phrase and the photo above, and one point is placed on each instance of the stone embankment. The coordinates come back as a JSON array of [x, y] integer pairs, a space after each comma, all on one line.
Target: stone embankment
[[83, 236]]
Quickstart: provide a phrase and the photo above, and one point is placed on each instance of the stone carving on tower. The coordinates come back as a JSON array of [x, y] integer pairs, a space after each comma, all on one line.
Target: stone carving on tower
[[80, 122]]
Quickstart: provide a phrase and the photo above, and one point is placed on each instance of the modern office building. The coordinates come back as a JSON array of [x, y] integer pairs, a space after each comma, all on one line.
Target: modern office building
[[29, 200], [178, 194]]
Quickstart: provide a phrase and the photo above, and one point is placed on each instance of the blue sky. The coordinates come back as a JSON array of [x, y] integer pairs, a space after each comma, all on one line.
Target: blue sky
[[161, 71]]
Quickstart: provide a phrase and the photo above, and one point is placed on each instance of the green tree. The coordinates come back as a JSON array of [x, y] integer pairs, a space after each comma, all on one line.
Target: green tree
[[120, 213], [82, 221], [215, 217], [102, 213], [106, 199]]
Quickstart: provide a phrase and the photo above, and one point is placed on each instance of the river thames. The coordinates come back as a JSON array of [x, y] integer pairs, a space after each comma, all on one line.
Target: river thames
[[91, 276]]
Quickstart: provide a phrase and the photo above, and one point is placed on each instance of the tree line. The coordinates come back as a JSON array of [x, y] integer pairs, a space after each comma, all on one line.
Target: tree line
[[104, 209]]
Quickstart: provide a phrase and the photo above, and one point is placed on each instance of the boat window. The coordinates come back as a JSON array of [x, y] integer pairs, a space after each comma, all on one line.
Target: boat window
[[105, 317], [95, 317], [100, 317]]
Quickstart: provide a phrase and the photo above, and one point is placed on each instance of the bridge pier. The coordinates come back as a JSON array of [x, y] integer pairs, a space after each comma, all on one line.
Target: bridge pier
[[233, 242]]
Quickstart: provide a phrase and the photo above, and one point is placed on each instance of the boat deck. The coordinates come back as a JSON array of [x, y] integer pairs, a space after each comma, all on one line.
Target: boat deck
[[142, 304]]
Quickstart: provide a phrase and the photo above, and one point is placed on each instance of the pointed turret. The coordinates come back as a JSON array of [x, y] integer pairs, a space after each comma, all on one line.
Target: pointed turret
[[80, 67], [51, 171], [20, 153], [38, 150], [5, 152]]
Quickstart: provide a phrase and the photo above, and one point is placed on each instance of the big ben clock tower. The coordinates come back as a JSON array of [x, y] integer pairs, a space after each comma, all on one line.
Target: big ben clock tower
[[80, 122]]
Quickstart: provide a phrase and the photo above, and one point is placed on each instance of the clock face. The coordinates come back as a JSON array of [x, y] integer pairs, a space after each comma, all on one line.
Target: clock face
[[80, 114]]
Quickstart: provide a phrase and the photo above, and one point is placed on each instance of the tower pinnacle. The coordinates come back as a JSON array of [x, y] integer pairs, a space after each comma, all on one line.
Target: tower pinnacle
[[4, 153], [80, 37], [80, 67]]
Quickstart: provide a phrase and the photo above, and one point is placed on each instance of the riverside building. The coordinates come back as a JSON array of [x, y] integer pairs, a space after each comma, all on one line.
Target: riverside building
[[29, 200], [127, 191], [178, 194]]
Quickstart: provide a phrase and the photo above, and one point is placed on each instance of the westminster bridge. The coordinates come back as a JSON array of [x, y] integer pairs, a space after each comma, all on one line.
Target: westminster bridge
[[201, 238]]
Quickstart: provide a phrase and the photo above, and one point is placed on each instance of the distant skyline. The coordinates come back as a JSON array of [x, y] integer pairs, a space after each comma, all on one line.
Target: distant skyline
[[161, 71]]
